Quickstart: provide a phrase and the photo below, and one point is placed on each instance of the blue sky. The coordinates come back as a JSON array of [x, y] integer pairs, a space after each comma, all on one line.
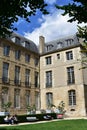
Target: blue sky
[[52, 26]]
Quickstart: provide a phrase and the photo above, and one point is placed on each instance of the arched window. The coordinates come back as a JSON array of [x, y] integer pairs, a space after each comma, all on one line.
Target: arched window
[[72, 97]]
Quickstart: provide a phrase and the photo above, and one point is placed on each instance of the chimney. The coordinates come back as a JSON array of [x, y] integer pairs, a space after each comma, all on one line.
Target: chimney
[[41, 44]]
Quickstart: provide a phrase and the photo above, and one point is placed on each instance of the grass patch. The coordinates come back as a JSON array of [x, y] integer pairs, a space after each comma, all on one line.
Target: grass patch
[[80, 124]]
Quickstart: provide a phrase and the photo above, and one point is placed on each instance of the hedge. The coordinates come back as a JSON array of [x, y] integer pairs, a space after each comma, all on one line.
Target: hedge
[[23, 118]]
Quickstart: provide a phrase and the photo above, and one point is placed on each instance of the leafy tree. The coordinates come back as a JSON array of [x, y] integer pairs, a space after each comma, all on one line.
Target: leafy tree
[[77, 10], [11, 10]]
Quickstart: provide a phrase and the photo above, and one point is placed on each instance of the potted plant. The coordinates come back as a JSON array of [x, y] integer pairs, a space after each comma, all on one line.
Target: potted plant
[[31, 109], [61, 110], [49, 109]]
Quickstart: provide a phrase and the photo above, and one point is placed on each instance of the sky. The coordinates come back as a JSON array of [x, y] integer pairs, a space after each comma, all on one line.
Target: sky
[[52, 26]]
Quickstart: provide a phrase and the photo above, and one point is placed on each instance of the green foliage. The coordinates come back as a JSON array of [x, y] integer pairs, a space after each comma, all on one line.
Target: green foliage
[[23, 118], [31, 108], [77, 10], [61, 107], [11, 10], [6, 106], [82, 33]]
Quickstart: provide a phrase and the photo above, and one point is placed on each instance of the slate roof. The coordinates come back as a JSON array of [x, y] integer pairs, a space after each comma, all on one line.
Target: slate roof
[[62, 43], [32, 46]]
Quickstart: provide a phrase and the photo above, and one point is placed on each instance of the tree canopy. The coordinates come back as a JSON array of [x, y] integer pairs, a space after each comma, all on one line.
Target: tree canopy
[[77, 10], [11, 10]]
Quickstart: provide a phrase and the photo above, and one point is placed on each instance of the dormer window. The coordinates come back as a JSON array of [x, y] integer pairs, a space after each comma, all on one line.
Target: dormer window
[[49, 47], [27, 44], [59, 45], [17, 40], [69, 41]]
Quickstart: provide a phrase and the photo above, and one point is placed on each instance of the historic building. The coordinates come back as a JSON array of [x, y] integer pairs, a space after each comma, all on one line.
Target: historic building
[[44, 76], [61, 76], [19, 74]]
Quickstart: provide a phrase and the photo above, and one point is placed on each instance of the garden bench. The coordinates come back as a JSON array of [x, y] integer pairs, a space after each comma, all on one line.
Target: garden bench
[[32, 118]]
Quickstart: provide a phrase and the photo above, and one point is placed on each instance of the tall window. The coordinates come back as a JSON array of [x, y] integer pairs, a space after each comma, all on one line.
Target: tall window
[[5, 72], [49, 79], [27, 77], [49, 99], [27, 58], [17, 54], [72, 97], [36, 79], [48, 60], [37, 100], [17, 98], [6, 50], [36, 61], [69, 55], [17, 75], [27, 98], [70, 75], [4, 96]]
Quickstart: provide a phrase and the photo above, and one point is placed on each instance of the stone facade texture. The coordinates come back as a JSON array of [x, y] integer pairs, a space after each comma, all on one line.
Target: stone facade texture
[[75, 105]]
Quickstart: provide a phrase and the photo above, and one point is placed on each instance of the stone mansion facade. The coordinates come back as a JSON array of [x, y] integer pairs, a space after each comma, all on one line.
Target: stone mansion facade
[[48, 74]]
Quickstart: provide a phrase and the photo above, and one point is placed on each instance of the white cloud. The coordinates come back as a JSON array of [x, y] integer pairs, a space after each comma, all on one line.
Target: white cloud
[[54, 26]]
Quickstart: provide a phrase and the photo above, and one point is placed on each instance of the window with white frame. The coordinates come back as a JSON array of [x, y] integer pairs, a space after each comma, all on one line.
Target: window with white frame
[[36, 79], [49, 99], [69, 42], [17, 54], [4, 96], [49, 47], [69, 55], [37, 100], [27, 98], [72, 97], [6, 50], [17, 75], [59, 45], [70, 75], [17, 98], [27, 58], [27, 77], [48, 60], [5, 75], [48, 78]]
